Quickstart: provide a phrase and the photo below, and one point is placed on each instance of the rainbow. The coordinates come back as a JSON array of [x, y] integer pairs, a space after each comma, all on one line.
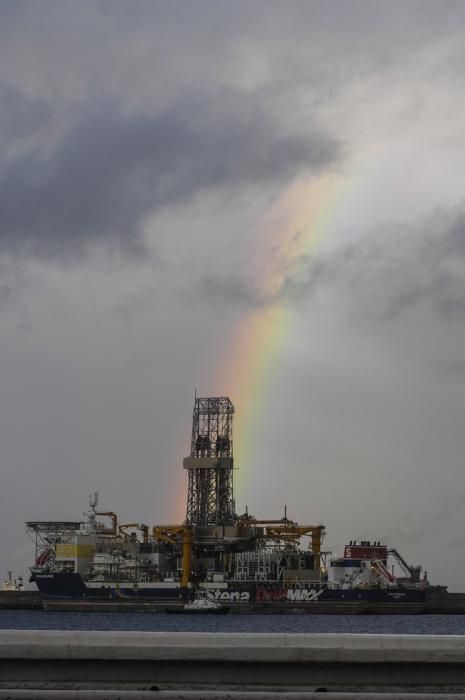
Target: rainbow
[[291, 231]]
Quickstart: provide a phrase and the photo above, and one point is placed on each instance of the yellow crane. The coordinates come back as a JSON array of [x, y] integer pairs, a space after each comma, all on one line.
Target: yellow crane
[[134, 526], [285, 530]]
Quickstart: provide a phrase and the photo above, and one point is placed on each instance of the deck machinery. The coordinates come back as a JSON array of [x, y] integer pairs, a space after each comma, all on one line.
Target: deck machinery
[[214, 546]]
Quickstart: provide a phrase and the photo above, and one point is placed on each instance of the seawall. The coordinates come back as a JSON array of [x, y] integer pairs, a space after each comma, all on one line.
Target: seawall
[[20, 600], [136, 662]]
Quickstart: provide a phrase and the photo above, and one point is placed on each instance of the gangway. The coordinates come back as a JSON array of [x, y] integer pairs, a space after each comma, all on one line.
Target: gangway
[[413, 572], [381, 570]]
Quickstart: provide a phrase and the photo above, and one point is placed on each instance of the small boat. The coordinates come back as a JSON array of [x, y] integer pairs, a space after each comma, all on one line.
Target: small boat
[[200, 606], [11, 584]]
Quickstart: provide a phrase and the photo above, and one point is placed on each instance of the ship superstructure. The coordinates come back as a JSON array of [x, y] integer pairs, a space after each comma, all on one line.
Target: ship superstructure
[[239, 558]]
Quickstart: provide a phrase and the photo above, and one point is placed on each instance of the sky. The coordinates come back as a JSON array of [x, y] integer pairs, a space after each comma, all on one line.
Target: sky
[[262, 200]]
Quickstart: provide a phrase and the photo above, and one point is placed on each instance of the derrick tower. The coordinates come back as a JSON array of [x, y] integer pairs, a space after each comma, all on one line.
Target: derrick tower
[[210, 464]]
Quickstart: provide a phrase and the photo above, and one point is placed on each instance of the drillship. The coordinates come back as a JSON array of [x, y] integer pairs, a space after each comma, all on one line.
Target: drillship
[[252, 564]]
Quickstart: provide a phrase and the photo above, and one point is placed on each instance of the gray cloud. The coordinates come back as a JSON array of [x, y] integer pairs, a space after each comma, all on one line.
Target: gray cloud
[[411, 528], [228, 290], [113, 169], [20, 115], [404, 268], [5, 294], [388, 275], [381, 276]]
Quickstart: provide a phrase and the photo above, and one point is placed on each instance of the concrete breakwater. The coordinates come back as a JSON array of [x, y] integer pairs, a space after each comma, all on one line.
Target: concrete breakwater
[[138, 662], [20, 600]]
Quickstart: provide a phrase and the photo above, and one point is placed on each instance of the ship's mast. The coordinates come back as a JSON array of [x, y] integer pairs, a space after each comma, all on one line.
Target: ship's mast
[[210, 498]]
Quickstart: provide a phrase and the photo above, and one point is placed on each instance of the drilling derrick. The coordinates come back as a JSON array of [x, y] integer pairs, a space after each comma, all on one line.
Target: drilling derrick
[[210, 464]]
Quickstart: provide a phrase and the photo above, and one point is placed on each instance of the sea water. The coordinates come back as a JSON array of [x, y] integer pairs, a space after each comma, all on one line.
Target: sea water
[[160, 622]]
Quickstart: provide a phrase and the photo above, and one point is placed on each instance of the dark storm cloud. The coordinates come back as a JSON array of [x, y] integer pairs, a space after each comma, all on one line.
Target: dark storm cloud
[[389, 274], [381, 276], [111, 170]]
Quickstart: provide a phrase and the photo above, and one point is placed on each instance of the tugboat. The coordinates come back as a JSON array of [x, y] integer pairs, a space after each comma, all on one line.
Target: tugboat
[[201, 604]]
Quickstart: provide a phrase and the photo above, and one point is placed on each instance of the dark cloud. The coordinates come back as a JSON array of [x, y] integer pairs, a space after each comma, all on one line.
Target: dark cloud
[[229, 289], [412, 527], [20, 115], [111, 170], [424, 264], [381, 276], [385, 275]]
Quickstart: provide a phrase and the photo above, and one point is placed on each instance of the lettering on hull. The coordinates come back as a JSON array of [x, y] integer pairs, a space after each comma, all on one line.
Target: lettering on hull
[[303, 594], [229, 596], [265, 595]]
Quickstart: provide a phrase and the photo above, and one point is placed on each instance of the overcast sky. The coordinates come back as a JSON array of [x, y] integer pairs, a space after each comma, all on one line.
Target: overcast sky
[[170, 172]]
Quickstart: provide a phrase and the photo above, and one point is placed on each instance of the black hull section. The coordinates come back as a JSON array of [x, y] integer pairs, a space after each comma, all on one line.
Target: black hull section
[[320, 608], [328, 595], [71, 587], [69, 592], [61, 585]]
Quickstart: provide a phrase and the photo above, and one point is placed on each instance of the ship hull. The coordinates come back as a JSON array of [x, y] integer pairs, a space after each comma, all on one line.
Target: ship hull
[[321, 608], [63, 591], [64, 585]]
